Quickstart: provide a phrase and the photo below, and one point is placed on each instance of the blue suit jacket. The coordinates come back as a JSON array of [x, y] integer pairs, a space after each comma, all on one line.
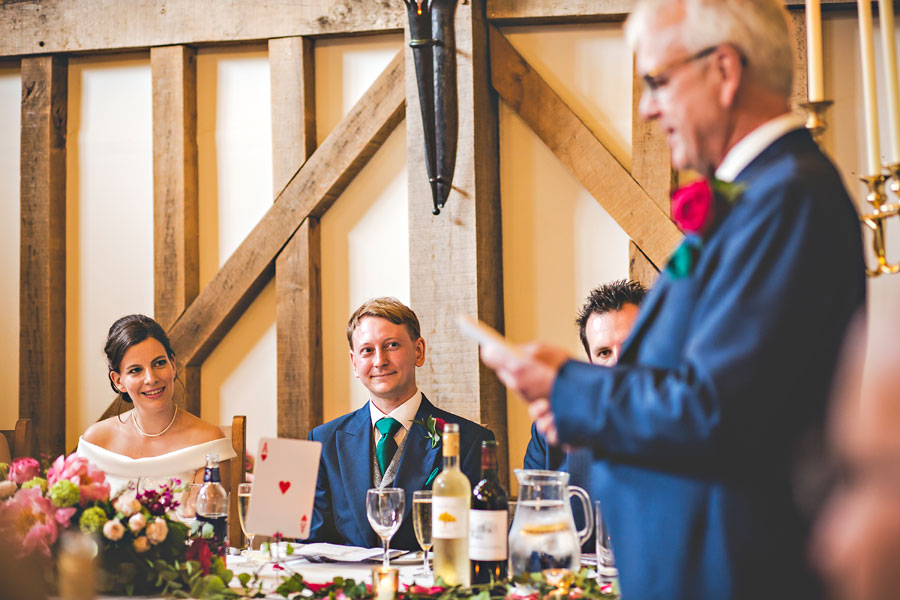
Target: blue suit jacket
[[694, 430], [345, 473]]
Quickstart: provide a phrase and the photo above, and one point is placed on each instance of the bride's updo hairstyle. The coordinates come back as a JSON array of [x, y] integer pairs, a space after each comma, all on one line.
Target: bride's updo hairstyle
[[125, 333]]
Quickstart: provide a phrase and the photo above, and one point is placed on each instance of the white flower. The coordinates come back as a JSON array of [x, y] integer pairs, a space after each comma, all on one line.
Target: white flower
[[157, 530], [127, 505], [7, 488], [137, 522], [113, 530], [141, 544]]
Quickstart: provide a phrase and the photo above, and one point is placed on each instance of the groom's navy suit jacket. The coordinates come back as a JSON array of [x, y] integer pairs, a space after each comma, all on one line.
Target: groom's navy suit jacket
[[694, 431], [345, 473]]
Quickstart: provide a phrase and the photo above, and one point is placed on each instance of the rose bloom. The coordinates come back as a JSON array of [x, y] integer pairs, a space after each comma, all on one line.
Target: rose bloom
[[157, 530], [24, 469], [693, 207], [141, 544], [7, 489], [113, 530], [78, 470], [136, 523], [127, 505], [31, 521]]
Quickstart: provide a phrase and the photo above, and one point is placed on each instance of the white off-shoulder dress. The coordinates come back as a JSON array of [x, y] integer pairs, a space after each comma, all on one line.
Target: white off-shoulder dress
[[179, 464]]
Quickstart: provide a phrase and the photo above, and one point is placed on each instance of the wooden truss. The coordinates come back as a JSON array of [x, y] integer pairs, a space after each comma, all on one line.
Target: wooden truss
[[455, 259]]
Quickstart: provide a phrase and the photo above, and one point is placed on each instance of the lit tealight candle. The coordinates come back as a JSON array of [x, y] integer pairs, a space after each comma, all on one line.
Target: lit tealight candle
[[867, 52], [385, 583]]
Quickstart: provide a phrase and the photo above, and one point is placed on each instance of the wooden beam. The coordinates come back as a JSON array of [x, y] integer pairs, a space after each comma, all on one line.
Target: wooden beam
[[42, 280], [100, 25], [299, 332], [176, 240], [312, 190], [297, 268], [519, 12], [236, 473], [580, 150], [456, 257]]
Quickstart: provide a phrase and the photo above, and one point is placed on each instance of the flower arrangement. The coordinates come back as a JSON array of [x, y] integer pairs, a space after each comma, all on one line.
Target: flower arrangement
[[141, 548]]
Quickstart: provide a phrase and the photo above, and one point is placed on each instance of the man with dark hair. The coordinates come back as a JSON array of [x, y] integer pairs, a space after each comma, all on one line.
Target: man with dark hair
[[604, 323], [393, 440]]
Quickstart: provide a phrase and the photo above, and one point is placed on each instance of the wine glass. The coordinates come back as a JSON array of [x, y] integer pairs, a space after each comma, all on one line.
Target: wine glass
[[421, 513], [244, 491], [153, 484], [606, 562], [384, 508]]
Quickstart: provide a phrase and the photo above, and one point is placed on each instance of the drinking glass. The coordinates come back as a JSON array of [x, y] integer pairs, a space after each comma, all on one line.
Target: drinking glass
[[384, 508], [421, 514], [186, 511], [147, 484], [244, 491], [606, 563]]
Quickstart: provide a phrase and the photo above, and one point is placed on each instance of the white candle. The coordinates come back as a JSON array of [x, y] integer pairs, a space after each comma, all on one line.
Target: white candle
[[815, 79], [889, 48], [867, 52]]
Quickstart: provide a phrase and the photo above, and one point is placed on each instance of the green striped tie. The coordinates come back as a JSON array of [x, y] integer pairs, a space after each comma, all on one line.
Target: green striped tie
[[386, 446]]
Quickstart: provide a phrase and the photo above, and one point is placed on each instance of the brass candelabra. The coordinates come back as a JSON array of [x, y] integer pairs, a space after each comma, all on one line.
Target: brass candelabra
[[882, 210]]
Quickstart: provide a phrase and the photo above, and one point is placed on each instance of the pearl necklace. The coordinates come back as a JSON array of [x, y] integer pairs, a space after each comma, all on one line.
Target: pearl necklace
[[134, 420]]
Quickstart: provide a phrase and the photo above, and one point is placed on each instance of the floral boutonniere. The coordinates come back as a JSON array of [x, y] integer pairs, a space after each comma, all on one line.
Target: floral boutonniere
[[434, 427], [695, 209]]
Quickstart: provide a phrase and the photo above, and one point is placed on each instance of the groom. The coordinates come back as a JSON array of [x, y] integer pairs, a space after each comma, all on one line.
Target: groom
[[384, 443]]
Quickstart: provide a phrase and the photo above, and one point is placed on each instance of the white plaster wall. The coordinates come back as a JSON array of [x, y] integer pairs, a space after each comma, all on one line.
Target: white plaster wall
[[558, 242], [365, 239], [10, 114], [109, 220], [234, 143]]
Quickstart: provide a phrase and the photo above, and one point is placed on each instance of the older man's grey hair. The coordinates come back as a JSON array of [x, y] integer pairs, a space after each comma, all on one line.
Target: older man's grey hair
[[757, 28]]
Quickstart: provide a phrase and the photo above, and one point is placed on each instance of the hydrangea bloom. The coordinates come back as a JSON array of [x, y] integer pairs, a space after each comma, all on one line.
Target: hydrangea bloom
[[23, 469], [36, 482], [92, 519], [82, 473], [64, 493]]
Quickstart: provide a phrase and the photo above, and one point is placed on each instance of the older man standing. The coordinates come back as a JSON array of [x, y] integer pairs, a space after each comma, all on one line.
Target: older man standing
[[732, 355]]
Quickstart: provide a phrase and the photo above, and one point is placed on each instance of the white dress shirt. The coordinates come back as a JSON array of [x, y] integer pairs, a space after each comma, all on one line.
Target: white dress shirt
[[405, 413], [753, 144]]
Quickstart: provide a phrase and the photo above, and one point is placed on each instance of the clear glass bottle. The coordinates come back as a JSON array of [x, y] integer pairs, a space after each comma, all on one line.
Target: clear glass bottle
[[450, 500], [212, 503]]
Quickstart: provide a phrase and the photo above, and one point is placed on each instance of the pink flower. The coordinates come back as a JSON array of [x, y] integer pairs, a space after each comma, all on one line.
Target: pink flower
[[79, 471], [693, 208], [157, 530], [64, 515], [113, 530], [137, 522], [24, 469], [29, 520], [422, 590], [141, 544]]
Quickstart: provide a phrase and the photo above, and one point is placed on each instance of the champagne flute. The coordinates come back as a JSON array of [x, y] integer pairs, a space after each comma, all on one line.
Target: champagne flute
[[384, 508], [244, 491], [422, 525]]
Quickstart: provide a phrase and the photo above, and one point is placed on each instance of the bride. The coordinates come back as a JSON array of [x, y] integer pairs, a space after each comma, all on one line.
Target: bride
[[155, 438]]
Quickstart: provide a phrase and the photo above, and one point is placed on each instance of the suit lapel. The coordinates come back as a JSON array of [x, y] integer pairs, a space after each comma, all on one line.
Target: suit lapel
[[353, 444], [419, 459]]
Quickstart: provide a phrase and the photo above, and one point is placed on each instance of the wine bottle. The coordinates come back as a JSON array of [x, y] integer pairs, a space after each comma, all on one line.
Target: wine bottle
[[488, 521], [212, 503], [450, 498]]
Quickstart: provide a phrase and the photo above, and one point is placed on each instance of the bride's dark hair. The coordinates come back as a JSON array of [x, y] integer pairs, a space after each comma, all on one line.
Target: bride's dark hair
[[125, 333]]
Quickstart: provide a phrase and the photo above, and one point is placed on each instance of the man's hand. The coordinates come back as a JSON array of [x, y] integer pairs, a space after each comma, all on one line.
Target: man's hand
[[543, 420], [531, 373]]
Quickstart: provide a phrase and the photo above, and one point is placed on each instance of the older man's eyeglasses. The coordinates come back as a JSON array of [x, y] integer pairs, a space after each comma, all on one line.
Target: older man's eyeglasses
[[659, 77]]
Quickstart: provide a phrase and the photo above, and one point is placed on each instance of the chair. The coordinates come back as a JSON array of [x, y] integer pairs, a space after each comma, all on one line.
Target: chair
[[20, 439], [236, 474]]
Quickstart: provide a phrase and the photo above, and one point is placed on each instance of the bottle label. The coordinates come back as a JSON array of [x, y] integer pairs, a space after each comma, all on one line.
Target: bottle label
[[449, 517], [487, 534]]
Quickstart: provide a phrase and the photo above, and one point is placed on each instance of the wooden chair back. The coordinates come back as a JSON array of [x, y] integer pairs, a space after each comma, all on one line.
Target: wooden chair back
[[20, 439], [236, 474]]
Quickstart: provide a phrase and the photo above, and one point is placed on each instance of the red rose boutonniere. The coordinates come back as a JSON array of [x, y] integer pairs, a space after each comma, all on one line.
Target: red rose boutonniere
[[694, 209], [434, 427]]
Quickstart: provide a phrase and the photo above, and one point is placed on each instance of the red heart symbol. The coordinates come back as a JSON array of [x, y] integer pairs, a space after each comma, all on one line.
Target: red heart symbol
[[265, 452], [284, 485]]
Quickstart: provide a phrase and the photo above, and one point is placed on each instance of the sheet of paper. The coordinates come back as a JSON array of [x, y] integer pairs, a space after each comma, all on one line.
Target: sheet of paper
[[486, 335]]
